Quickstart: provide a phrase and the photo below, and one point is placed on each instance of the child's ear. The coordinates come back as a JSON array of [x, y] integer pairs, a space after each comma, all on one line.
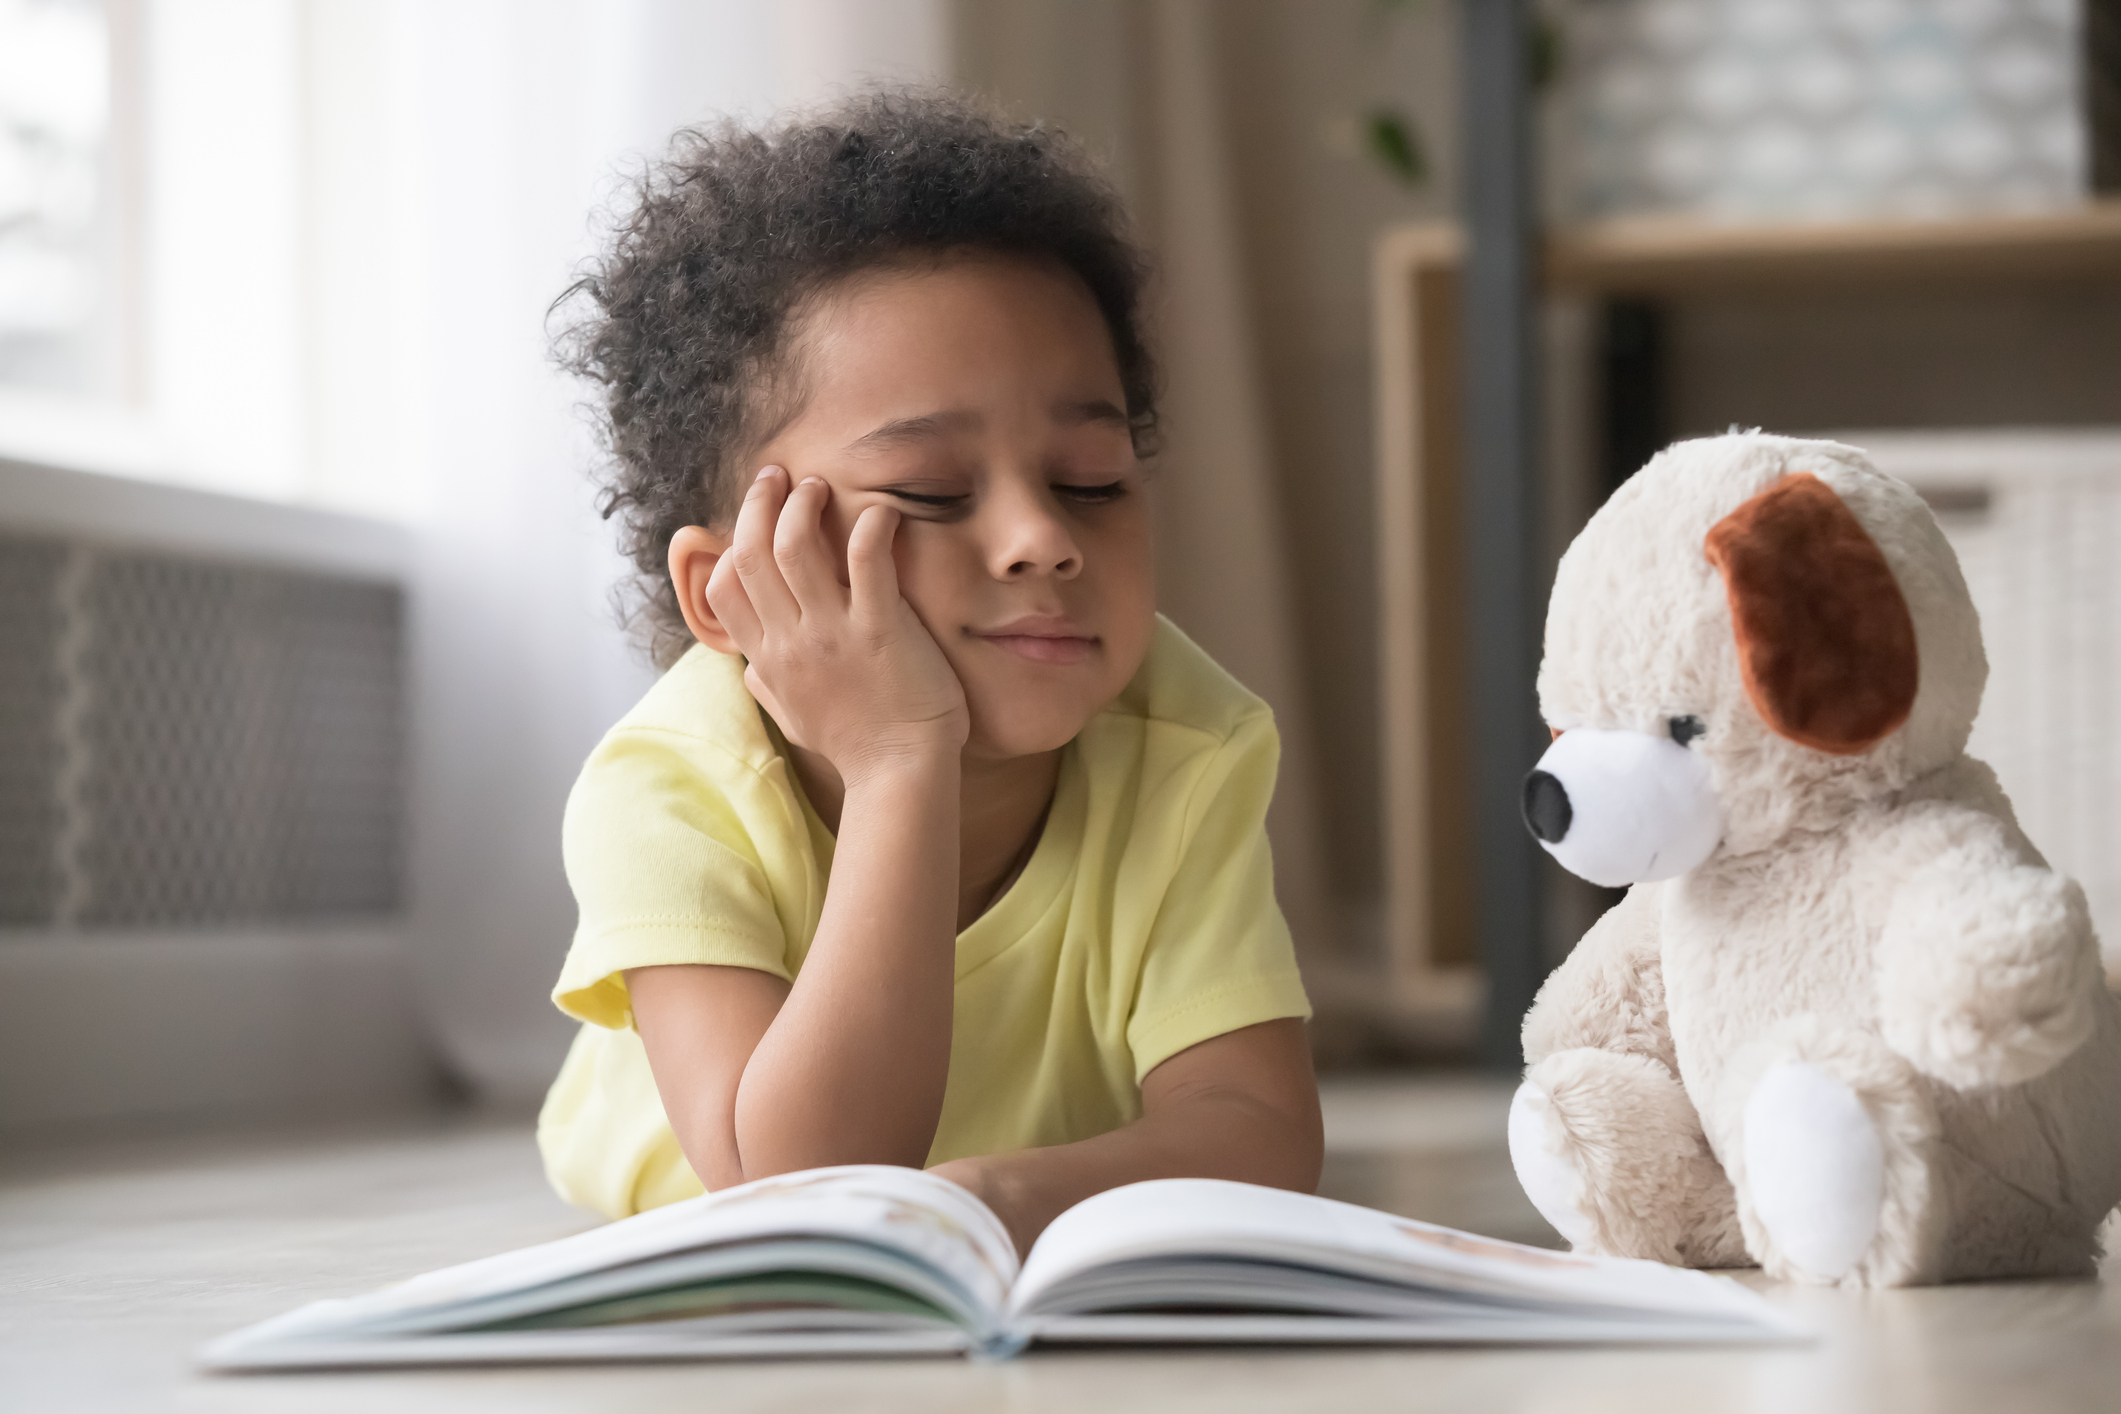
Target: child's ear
[[694, 552]]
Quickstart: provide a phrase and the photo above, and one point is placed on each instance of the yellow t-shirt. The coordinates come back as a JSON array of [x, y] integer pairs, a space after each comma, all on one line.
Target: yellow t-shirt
[[1144, 921]]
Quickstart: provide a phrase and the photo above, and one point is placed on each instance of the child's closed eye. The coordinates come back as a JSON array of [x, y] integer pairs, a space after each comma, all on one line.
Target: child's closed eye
[[1082, 495], [926, 499], [1092, 495]]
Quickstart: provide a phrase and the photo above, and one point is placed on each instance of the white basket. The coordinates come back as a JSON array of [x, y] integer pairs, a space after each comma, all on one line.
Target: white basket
[[2035, 517]]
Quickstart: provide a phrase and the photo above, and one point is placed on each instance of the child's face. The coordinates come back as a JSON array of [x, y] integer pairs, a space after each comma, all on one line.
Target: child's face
[[981, 399]]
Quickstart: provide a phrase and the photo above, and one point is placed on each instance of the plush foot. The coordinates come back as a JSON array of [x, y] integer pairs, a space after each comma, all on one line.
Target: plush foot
[[1548, 1178], [1610, 1150], [1815, 1167]]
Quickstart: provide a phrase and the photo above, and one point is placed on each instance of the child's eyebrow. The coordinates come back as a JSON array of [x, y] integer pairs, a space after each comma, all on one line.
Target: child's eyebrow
[[903, 430], [1090, 410]]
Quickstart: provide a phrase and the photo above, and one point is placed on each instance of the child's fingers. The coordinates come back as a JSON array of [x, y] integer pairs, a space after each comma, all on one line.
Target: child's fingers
[[800, 551], [751, 552], [732, 607], [871, 574]]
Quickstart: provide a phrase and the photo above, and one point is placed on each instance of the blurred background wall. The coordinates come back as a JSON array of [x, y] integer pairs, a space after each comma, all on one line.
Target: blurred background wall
[[273, 282]]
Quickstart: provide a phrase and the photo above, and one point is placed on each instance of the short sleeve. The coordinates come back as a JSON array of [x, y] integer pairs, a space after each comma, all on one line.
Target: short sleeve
[[1219, 956], [670, 849]]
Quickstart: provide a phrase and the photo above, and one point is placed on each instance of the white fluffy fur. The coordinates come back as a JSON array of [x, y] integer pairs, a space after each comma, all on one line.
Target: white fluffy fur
[[1550, 1177], [1877, 917], [1816, 1167]]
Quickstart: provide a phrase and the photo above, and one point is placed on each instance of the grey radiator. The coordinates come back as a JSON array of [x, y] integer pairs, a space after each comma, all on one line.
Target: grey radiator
[[188, 741], [205, 801]]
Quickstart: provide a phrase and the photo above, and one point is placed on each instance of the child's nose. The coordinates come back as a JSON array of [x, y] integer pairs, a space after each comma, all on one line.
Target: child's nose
[[1032, 539]]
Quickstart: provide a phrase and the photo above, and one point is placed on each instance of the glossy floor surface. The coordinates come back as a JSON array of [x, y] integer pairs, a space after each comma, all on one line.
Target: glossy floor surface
[[117, 1258]]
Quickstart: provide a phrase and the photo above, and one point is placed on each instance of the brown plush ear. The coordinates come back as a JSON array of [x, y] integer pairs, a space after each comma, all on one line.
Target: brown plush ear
[[1825, 640]]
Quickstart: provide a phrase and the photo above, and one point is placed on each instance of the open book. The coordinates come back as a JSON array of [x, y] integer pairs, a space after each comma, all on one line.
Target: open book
[[870, 1260]]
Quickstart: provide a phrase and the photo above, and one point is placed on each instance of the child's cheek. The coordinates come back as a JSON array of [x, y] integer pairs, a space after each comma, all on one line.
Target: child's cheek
[[905, 554], [925, 578]]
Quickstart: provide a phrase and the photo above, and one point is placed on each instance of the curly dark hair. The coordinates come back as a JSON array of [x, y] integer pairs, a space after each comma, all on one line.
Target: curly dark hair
[[685, 315]]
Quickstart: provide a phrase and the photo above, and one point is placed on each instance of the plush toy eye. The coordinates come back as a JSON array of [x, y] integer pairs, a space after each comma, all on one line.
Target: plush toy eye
[[1685, 729]]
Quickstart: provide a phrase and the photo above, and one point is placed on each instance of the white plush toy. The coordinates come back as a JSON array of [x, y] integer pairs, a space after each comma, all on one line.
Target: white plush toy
[[1846, 1023]]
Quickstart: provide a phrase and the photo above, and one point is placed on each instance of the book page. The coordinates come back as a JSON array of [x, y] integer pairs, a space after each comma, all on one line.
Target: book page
[[1174, 1218], [929, 1219]]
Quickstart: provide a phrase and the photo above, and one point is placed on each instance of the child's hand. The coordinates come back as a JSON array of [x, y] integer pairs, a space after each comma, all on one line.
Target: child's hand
[[847, 670], [991, 1182]]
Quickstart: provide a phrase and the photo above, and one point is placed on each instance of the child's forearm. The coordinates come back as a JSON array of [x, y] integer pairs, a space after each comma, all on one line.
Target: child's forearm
[[1211, 1137], [1243, 1106], [853, 1066]]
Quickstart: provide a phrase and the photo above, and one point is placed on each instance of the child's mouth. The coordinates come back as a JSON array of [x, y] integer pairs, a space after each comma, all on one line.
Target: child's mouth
[[1042, 640], [1044, 650]]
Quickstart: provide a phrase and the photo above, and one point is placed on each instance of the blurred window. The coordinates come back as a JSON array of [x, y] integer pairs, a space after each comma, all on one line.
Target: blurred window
[[59, 246], [152, 240]]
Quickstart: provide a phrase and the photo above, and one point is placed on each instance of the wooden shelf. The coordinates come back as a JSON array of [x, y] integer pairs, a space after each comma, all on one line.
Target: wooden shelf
[[1429, 969], [1650, 256]]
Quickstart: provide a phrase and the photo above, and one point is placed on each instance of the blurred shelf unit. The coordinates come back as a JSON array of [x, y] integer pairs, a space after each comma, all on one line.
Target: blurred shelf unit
[[1797, 327]]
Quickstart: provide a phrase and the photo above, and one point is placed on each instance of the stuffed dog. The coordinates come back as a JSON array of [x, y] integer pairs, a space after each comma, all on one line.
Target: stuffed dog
[[1846, 1023]]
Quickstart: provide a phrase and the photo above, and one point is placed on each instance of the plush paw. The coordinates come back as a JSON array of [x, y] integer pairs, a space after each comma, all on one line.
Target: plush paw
[[1815, 1168], [1548, 1178], [1988, 976]]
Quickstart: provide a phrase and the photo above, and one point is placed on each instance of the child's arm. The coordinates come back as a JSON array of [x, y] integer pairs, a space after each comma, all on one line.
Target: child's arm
[[848, 1064], [1241, 1106]]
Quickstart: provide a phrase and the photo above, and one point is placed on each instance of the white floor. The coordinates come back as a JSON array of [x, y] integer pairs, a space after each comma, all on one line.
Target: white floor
[[119, 1258]]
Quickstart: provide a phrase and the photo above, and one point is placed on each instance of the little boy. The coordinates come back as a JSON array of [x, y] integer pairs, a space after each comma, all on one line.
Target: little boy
[[934, 845]]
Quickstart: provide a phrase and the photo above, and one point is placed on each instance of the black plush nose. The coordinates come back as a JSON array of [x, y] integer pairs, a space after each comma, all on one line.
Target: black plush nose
[[1546, 807]]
